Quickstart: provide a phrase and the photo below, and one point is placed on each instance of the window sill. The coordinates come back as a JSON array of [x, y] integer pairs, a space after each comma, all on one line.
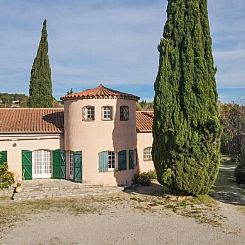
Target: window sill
[[111, 170], [103, 119]]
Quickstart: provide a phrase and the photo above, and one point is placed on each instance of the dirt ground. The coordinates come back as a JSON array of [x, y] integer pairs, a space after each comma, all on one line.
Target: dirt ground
[[140, 215], [124, 218], [119, 226]]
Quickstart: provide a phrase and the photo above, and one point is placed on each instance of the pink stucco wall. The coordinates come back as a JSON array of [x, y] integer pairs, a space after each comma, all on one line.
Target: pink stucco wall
[[92, 137], [15, 143], [144, 140]]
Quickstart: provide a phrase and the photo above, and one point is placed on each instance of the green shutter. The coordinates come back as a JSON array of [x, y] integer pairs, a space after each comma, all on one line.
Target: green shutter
[[131, 159], [136, 157], [58, 164], [62, 164], [3, 157], [77, 166], [27, 165], [122, 160], [103, 161]]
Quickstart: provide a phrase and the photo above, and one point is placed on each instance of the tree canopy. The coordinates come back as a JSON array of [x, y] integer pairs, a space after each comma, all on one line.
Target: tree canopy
[[186, 126], [40, 90]]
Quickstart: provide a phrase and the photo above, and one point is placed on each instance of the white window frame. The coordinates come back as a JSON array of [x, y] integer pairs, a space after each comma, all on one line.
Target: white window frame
[[88, 113], [42, 166], [122, 113], [112, 160], [107, 113], [147, 154]]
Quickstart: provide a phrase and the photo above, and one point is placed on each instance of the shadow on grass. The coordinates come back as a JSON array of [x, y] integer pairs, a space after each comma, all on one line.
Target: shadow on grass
[[226, 189], [155, 189]]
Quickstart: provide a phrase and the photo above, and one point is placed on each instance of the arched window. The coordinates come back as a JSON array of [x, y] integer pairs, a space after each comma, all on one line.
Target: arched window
[[147, 154]]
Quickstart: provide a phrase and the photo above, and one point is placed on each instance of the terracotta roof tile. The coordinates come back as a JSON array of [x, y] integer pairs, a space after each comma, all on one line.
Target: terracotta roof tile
[[144, 121], [27, 120], [31, 120], [100, 92]]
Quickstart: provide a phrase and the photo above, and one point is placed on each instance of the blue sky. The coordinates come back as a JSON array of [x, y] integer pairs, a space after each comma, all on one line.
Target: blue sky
[[113, 42]]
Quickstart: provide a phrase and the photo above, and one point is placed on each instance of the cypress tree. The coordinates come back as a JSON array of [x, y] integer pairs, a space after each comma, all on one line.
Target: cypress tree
[[40, 89], [186, 126]]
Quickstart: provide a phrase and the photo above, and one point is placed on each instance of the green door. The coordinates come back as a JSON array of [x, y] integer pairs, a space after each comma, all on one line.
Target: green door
[[27, 165], [77, 166], [3, 157], [59, 164]]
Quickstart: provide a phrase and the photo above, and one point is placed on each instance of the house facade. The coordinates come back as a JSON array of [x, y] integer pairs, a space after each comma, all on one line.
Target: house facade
[[98, 138], [144, 121]]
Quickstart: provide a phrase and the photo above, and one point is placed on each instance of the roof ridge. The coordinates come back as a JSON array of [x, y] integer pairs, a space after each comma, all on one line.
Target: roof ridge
[[100, 92]]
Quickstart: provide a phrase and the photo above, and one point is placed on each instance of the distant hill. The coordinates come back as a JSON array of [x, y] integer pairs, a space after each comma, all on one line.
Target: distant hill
[[13, 100]]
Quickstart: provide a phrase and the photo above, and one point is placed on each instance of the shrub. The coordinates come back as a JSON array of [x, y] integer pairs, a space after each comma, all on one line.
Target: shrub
[[240, 171], [142, 179], [6, 177], [152, 174]]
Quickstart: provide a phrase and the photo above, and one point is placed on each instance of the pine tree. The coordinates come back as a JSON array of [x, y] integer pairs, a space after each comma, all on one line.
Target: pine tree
[[40, 90], [186, 127]]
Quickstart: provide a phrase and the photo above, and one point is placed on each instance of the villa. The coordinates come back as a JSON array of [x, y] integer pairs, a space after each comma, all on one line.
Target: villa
[[98, 138]]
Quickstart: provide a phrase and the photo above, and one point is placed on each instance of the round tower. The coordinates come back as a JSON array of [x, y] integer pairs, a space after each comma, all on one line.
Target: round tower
[[100, 123]]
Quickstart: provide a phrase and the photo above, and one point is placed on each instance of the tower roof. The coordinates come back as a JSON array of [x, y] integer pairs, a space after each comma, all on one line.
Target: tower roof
[[100, 92]]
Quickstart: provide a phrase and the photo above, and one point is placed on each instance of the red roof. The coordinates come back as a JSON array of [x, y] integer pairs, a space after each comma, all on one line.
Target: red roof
[[31, 120], [38, 120], [100, 92], [144, 121]]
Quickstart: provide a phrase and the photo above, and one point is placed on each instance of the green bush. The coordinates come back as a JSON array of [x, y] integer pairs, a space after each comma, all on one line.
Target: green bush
[[142, 179], [152, 174], [6, 177], [240, 171]]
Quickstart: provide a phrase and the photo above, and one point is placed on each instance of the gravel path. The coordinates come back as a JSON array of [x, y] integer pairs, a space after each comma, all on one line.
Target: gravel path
[[123, 225], [226, 190], [138, 216]]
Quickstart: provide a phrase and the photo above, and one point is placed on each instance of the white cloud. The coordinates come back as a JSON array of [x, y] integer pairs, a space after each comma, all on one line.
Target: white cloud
[[113, 41]]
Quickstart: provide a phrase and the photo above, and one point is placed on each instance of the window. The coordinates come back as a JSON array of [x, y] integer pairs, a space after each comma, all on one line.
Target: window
[[42, 164], [147, 154], [107, 113], [107, 161], [88, 113], [124, 113], [111, 160]]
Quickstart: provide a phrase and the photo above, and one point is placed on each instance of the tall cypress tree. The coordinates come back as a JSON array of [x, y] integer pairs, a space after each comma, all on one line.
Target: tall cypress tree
[[186, 127], [40, 90]]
